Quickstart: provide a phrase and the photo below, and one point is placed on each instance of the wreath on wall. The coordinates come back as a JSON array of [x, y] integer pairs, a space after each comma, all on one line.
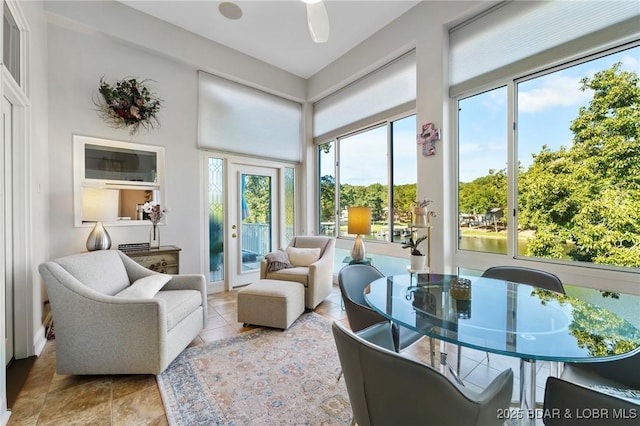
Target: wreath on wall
[[128, 104]]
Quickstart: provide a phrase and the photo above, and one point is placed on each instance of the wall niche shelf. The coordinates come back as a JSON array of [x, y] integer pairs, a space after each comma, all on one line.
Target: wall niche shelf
[[113, 179]]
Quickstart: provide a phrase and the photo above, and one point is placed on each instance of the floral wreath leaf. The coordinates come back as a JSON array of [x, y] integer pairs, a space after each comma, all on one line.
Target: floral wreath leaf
[[128, 104]]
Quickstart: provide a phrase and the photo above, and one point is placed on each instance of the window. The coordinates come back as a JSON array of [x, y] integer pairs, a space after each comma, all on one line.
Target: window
[[216, 203], [113, 180], [482, 172], [579, 156], [289, 204], [575, 166], [11, 44], [363, 175], [327, 190], [374, 168]]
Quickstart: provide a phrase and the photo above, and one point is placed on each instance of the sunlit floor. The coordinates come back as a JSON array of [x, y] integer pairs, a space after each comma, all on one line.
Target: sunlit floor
[[51, 399]]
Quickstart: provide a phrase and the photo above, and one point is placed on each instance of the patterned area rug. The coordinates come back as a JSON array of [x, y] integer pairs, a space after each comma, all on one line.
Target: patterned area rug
[[264, 377]]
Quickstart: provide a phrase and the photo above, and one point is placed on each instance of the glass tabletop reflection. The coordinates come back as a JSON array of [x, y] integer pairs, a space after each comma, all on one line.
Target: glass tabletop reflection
[[503, 317]]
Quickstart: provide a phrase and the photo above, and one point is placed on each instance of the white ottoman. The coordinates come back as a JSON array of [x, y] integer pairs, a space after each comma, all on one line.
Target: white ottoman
[[271, 303]]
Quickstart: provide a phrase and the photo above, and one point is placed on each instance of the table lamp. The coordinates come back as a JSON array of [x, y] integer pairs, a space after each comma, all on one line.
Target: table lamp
[[99, 205], [359, 223]]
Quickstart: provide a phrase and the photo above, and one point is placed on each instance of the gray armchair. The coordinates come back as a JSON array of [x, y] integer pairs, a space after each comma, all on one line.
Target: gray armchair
[[385, 388], [113, 316], [317, 278]]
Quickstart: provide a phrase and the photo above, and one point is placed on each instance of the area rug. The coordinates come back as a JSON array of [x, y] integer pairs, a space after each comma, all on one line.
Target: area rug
[[263, 377]]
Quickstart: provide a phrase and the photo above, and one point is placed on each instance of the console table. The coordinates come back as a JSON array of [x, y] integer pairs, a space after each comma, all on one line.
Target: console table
[[165, 259]]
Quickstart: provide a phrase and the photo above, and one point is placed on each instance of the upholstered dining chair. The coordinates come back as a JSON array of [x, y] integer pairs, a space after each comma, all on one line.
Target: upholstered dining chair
[[113, 316], [352, 280], [533, 277], [309, 261], [386, 388], [611, 386]]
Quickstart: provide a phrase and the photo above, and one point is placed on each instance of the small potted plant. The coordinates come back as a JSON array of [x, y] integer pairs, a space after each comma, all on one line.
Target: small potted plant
[[418, 259]]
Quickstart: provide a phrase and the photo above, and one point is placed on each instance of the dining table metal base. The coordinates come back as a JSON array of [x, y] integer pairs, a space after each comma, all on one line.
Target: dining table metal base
[[527, 394]]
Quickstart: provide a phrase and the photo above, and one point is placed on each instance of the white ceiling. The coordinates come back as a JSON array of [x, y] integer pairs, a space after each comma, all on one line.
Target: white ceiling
[[276, 32]]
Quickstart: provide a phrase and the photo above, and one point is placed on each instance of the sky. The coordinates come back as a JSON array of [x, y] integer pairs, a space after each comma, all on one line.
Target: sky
[[546, 106]]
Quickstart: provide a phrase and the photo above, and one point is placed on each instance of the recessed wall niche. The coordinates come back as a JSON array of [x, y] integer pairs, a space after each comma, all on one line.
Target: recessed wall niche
[[113, 179]]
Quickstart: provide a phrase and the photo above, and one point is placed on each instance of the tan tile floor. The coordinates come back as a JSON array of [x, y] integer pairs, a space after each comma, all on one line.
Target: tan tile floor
[[51, 399]]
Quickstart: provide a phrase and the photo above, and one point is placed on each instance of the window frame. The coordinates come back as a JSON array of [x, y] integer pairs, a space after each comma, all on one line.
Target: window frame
[[605, 277], [384, 247]]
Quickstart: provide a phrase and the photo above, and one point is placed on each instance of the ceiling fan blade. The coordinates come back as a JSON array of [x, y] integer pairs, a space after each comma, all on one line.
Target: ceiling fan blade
[[318, 22]]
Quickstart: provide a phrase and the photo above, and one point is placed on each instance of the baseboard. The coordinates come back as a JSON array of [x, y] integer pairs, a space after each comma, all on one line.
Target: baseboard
[[5, 417], [215, 288], [39, 340]]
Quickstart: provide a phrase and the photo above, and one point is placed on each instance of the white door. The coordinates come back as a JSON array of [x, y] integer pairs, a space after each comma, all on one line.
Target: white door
[[6, 224], [253, 225]]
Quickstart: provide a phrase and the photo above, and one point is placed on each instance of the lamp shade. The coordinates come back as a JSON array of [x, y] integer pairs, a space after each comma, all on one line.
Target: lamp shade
[[359, 221], [100, 205]]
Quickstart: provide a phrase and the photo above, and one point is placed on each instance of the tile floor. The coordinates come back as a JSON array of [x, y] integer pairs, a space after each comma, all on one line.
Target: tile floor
[[51, 399]]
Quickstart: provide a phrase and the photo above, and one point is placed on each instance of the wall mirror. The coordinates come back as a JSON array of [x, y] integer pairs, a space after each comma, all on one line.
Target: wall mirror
[[113, 180]]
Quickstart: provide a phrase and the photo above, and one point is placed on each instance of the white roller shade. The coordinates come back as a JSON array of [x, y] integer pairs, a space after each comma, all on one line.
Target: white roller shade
[[518, 36], [236, 118], [384, 89]]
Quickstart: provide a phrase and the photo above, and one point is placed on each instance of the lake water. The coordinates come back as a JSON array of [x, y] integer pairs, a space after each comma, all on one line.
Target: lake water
[[489, 244], [626, 307]]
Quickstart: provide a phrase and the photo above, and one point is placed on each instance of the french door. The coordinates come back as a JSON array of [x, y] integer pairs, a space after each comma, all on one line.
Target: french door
[[250, 213], [253, 205]]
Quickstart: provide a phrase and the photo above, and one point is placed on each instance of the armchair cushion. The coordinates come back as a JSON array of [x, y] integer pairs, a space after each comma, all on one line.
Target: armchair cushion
[[303, 256], [299, 274], [146, 287], [179, 303]]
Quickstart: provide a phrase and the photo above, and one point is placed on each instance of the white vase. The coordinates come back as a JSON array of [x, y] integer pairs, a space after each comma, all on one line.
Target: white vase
[[418, 263]]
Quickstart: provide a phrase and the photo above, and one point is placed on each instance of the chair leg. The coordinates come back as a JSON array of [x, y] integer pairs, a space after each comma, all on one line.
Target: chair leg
[[339, 376], [432, 348]]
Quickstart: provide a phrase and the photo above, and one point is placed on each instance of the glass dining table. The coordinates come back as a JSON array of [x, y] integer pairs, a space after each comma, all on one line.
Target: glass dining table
[[507, 318]]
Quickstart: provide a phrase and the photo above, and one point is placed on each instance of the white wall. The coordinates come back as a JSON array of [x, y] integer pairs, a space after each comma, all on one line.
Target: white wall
[[79, 56], [76, 65]]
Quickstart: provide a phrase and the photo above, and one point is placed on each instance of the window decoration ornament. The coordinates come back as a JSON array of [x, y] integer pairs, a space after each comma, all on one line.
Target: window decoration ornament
[[427, 138], [129, 104]]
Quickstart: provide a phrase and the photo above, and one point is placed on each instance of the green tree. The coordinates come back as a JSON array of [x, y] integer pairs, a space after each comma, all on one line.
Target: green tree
[[404, 198], [257, 193], [484, 193], [589, 194], [376, 197], [327, 198]]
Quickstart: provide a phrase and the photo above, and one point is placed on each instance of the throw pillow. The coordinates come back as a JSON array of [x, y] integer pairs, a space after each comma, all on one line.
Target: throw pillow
[[145, 288], [277, 260], [303, 256]]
